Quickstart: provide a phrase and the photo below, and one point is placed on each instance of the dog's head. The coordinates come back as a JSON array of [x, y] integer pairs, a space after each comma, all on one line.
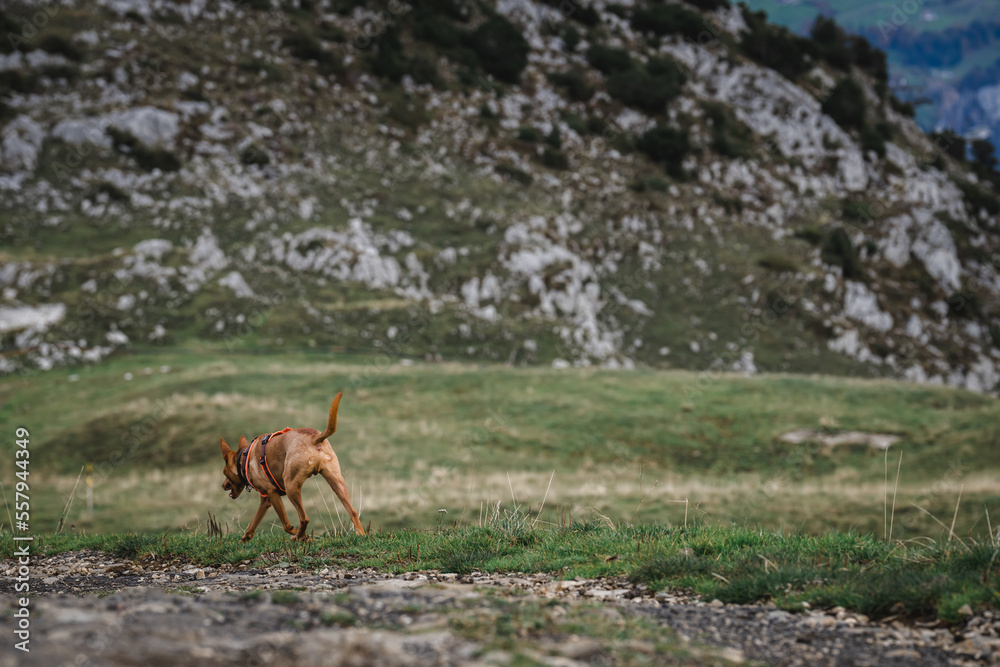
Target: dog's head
[[233, 484]]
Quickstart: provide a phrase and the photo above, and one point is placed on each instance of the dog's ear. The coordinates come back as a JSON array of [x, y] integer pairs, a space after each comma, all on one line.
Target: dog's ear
[[226, 452], [244, 442]]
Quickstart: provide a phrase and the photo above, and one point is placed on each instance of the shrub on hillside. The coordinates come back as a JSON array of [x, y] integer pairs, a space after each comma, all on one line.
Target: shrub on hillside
[[872, 140], [730, 137], [709, 5], [648, 87], [528, 134], [951, 143], [304, 46], [907, 109], [666, 145], [574, 82], [668, 19], [555, 159], [554, 137], [978, 198], [840, 251], [638, 88], [846, 104], [778, 263], [437, 30], [609, 60], [254, 155], [774, 46], [502, 49], [55, 43], [148, 158]]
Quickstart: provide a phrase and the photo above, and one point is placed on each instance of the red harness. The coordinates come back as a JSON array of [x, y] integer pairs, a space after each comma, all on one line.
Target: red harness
[[263, 463]]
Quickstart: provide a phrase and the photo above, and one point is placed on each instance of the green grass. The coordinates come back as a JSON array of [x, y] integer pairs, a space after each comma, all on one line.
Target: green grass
[[739, 565], [416, 439]]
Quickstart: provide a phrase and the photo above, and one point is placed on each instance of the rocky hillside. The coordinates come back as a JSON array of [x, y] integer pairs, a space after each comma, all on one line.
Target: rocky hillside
[[677, 184]]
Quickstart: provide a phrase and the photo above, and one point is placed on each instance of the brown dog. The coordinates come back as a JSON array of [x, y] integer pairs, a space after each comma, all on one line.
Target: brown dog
[[280, 463]]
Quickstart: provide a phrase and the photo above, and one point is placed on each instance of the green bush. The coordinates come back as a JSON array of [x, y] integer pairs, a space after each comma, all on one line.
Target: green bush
[[254, 155], [55, 43], [502, 49], [649, 184], [304, 46], [666, 145], [778, 263], [555, 159], [832, 43], [648, 88], [574, 82], [730, 137], [667, 19], [905, 108], [529, 134], [608, 60], [872, 140], [456, 11], [522, 177], [951, 143], [810, 235], [554, 137], [637, 88], [575, 123], [586, 15], [436, 29], [978, 198], [709, 5], [570, 37], [774, 46], [147, 158], [838, 250], [846, 104]]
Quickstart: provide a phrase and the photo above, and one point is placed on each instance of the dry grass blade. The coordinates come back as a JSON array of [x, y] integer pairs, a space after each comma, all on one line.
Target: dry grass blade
[[885, 496], [9, 517], [892, 517], [951, 531], [938, 522], [69, 503], [542, 507]]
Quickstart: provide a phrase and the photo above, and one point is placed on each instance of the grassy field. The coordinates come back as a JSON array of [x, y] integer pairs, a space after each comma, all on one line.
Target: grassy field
[[626, 447], [738, 565]]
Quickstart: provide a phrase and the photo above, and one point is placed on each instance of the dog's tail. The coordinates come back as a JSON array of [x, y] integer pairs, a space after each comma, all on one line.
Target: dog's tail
[[331, 424]]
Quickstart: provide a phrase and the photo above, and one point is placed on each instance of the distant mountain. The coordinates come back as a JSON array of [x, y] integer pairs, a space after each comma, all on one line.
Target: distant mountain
[[665, 184], [943, 52]]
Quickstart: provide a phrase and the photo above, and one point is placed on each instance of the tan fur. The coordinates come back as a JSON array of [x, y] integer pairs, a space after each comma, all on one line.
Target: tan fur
[[293, 457]]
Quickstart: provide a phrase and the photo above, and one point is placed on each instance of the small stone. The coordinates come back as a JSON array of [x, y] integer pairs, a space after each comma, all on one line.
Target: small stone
[[716, 603], [965, 610], [199, 574]]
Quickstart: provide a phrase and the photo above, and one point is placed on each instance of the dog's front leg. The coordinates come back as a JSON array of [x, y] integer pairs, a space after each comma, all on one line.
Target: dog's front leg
[[265, 502], [279, 507]]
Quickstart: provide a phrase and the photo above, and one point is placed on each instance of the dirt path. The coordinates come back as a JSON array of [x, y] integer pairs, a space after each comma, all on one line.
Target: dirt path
[[167, 613]]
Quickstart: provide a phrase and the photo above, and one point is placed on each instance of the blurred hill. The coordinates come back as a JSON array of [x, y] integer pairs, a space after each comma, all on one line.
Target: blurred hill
[[672, 184], [946, 53]]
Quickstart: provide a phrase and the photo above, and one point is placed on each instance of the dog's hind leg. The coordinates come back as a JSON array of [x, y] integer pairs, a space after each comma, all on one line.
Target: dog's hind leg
[[336, 482], [295, 495], [265, 502], [279, 507]]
